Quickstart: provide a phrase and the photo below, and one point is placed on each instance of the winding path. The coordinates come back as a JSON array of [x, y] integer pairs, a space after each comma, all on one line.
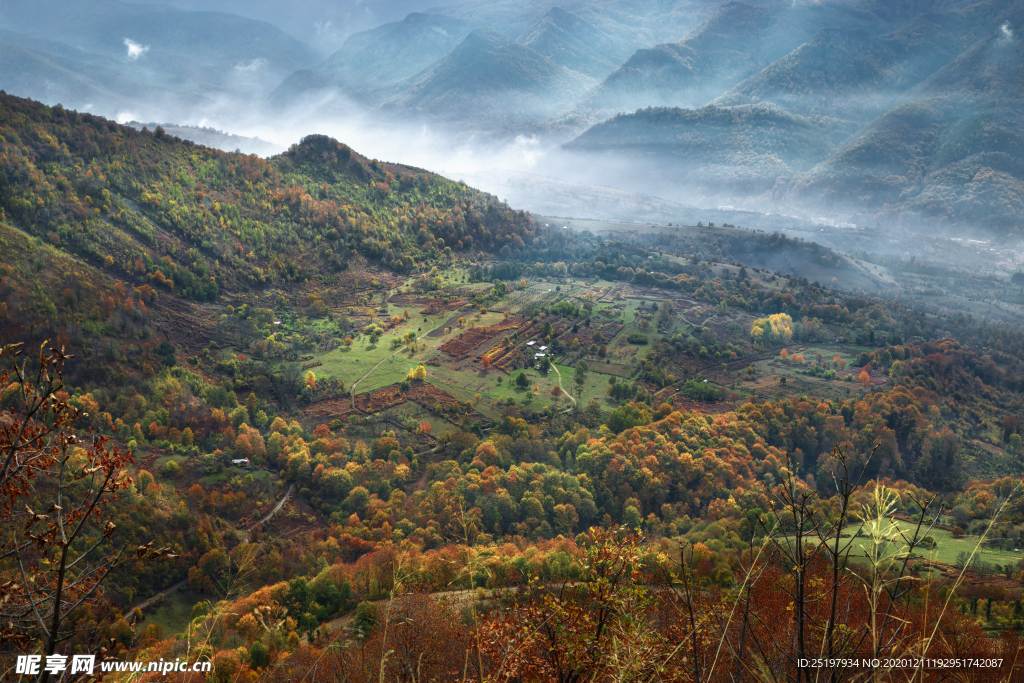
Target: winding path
[[148, 602], [560, 384], [273, 511], [352, 389]]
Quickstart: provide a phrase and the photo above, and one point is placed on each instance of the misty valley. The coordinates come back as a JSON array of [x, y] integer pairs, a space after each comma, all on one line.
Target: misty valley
[[511, 340]]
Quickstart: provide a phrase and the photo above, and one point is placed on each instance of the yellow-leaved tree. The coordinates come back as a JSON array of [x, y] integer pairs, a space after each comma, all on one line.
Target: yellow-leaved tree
[[775, 329]]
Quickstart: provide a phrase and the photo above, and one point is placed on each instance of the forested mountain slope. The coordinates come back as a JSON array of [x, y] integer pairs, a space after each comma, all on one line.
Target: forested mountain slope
[[952, 150], [574, 43], [488, 82], [206, 220], [743, 150]]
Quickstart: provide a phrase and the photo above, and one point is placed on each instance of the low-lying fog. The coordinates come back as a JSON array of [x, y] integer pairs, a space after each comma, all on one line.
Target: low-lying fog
[[823, 118]]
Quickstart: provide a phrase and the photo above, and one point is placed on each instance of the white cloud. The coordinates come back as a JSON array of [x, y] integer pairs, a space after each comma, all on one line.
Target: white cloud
[[253, 65], [135, 50], [124, 117], [1007, 31]]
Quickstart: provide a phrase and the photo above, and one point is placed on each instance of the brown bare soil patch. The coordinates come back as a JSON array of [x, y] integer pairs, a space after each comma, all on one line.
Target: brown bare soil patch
[[189, 326], [463, 345], [662, 395], [437, 306]]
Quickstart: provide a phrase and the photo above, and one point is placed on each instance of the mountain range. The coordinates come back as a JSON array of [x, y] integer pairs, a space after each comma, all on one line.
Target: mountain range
[[913, 126], [493, 78], [902, 114]]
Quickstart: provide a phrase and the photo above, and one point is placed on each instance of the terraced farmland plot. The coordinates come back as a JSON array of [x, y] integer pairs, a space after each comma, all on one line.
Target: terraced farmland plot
[[507, 355], [466, 342]]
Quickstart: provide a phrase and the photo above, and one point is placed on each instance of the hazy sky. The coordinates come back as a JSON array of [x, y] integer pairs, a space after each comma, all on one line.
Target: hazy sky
[[323, 25]]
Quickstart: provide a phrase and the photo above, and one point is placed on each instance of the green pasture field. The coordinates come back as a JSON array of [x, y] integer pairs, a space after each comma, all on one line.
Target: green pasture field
[[174, 613], [489, 389], [595, 386], [948, 548], [350, 364], [216, 479], [164, 459]]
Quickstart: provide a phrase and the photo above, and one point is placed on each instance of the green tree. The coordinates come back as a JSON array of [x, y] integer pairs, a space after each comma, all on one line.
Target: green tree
[[366, 617], [628, 416], [258, 656], [357, 500], [580, 377], [631, 517]]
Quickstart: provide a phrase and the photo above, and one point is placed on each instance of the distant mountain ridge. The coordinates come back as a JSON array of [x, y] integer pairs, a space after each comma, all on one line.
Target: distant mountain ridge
[[376, 58], [953, 151], [712, 150], [568, 40], [386, 64], [841, 73], [864, 110], [102, 26], [55, 78], [914, 124], [500, 80], [686, 72]]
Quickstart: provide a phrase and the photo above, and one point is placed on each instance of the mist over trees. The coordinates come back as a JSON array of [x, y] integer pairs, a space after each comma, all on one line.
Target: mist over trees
[[845, 109]]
